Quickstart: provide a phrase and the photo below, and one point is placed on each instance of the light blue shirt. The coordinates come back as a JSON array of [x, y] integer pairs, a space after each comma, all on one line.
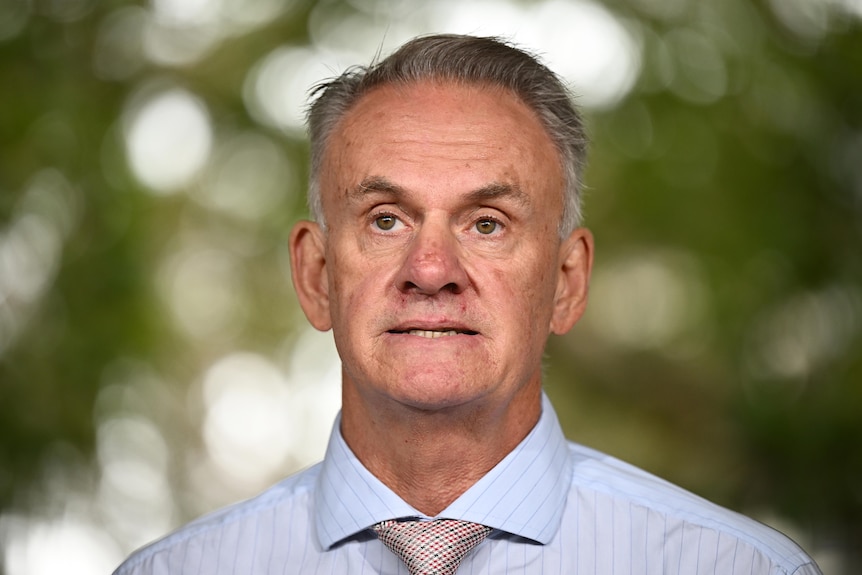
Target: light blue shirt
[[554, 506]]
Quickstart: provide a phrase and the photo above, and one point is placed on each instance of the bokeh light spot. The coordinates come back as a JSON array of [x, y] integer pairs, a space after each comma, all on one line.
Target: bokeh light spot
[[247, 178], [605, 66], [14, 16], [606, 58], [31, 248], [276, 89], [801, 334], [203, 289], [247, 428], [134, 492], [72, 545], [117, 55], [648, 300], [701, 75], [168, 138]]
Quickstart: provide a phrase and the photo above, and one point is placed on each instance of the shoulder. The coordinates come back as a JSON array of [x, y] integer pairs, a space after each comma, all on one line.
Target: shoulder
[[654, 504], [286, 501]]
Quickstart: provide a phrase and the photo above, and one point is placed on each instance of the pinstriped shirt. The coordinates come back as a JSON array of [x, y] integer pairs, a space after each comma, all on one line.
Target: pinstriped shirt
[[554, 507]]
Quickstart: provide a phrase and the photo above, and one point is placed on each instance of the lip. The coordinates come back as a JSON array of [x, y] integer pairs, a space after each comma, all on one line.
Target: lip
[[430, 328]]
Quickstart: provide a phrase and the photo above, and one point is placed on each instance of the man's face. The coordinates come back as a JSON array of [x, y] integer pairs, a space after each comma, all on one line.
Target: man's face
[[442, 255]]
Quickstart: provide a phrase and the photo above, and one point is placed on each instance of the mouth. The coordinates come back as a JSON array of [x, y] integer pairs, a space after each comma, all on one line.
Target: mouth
[[433, 333]]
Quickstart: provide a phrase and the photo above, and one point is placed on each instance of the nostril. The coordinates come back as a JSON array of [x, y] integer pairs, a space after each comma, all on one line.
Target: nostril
[[432, 265], [411, 287]]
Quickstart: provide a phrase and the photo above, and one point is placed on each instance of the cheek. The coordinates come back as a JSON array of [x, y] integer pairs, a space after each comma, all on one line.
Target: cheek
[[357, 288], [525, 289], [344, 287]]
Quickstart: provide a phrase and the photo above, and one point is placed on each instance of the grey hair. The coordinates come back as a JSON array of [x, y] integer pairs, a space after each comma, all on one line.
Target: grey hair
[[466, 60]]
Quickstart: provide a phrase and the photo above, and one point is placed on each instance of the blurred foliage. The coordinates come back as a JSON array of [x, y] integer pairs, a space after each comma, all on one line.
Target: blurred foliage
[[734, 163], [54, 116], [763, 187]]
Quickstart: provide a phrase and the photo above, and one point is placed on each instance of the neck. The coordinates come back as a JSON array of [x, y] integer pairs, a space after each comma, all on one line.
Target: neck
[[429, 458]]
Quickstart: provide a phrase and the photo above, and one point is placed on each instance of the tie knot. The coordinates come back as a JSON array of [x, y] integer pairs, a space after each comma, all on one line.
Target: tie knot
[[431, 547]]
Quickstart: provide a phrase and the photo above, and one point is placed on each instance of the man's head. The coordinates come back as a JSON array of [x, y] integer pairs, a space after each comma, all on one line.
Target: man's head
[[444, 266], [464, 60]]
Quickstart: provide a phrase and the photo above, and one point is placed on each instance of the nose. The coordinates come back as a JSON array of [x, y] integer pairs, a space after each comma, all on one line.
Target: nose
[[432, 263]]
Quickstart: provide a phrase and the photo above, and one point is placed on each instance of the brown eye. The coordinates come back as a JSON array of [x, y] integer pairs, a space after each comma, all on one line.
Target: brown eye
[[385, 222], [486, 226]]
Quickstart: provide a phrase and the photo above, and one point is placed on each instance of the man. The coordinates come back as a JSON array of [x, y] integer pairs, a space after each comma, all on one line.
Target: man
[[446, 249]]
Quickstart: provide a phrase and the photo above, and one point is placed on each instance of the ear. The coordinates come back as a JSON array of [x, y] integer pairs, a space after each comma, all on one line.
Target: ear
[[573, 280], [308, 271]]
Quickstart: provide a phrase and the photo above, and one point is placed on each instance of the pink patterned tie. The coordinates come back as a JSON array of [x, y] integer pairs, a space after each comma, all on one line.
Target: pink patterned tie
[[431, 547]]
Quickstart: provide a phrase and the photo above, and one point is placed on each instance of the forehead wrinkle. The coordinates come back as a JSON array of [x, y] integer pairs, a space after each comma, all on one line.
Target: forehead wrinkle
[[489, 192]]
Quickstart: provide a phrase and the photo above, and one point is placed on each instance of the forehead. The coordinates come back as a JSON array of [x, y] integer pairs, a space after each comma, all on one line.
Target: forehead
[[446, 104], [463, 130]]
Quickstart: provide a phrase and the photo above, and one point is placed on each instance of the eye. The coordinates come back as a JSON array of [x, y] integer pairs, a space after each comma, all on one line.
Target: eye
[[486, 226], [386, 222]]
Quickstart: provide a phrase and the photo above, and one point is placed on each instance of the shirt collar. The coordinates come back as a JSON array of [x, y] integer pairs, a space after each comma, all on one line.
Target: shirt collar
[[524, 494]]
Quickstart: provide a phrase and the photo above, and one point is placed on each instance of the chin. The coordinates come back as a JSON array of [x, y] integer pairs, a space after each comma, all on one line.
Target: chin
[[438, 391]]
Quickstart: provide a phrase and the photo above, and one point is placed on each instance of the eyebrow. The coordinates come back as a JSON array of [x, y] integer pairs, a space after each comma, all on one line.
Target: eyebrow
[[495, 191], [492, 191], [376, 184]]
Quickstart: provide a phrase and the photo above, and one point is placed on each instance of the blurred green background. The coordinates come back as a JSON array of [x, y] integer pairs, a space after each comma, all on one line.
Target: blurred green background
[[154, 363]]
